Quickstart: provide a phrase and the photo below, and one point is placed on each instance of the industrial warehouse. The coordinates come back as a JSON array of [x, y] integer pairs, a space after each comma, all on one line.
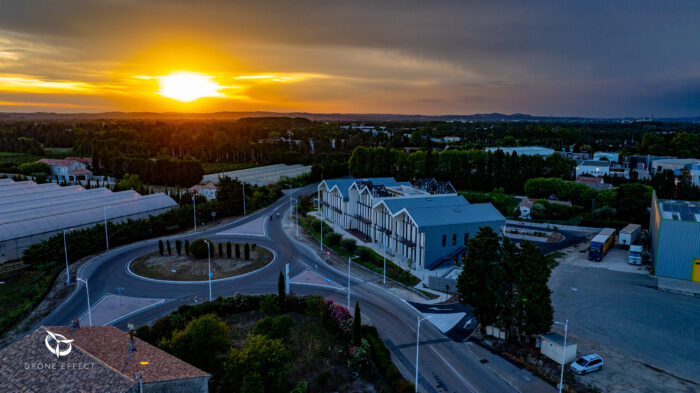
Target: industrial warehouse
[[31, 212], [425, 224], [675, 229]]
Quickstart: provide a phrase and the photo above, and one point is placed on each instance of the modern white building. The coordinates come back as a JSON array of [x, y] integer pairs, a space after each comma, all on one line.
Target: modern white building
[[524, 150], [678, 165], [206, 190], [424, 229], [593, 168], [69, 169]]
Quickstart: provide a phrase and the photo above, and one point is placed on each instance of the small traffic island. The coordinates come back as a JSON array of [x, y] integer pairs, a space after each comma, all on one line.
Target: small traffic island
[[190, 267]]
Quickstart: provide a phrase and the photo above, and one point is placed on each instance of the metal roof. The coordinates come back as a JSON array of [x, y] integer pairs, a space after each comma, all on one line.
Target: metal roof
[[454, 215], [395, 205], [679, 210]]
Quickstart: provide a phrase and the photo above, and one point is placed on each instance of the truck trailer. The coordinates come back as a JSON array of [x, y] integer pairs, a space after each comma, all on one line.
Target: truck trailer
[[629, 234], [600, 244]]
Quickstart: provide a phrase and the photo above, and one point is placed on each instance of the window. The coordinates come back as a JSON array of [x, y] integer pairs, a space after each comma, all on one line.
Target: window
[[454, 239], [466, 238], [444, 240]]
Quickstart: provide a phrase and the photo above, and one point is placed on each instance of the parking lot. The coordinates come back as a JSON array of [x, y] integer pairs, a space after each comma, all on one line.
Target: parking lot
[[650, 339]]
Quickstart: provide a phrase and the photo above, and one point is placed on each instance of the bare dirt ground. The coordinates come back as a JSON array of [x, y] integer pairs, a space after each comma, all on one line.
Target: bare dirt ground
[[188, 268]]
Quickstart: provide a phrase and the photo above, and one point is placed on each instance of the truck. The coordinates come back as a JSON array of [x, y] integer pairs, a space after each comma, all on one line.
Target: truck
[[600, 244], [635, 256], [629, 234]]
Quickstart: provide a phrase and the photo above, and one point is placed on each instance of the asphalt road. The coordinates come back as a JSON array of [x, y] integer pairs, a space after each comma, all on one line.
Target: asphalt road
[[445, 365]]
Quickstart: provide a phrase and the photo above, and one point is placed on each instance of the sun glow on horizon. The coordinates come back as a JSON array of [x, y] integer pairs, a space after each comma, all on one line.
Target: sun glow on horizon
[[188, 86]]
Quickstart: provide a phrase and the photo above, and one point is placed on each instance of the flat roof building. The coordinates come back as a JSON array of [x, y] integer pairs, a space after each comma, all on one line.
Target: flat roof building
[[593, 168], [523, 150], [674, 228]]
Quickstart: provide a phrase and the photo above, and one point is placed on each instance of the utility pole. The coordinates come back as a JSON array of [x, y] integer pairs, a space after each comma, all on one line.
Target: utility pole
[[65, 251], [106, 234], [349, 260], [563, 354], [87, 290], [418, 347]]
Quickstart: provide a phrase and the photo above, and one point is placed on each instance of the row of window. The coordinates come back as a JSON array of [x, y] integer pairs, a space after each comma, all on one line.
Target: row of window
[[454, 239]]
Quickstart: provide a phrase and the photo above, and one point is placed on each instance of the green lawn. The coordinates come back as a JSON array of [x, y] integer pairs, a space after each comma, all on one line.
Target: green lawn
[[10, 161], [19, 293]]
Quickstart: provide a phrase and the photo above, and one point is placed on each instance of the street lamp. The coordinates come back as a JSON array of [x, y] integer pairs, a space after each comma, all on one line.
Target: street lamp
[[87, 290], [563, 355], [104, 209], [194, 200], [65, 251], [418, 347], [349, 260], [209, 257]]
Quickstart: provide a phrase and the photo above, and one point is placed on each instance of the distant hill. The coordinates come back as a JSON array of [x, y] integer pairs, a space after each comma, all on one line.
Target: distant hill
[[483, 117]]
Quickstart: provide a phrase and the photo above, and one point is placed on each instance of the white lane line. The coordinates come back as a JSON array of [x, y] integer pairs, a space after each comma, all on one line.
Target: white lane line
[[144, 308], [454, 371]]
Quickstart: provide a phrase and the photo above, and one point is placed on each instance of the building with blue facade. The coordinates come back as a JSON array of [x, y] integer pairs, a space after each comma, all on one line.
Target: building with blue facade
[[425, 225], [675, 238]]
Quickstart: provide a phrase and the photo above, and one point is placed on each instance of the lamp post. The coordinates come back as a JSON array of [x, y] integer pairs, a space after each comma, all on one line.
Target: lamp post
[[87, 290], [563, 354], [418, 347], [65, 251], [194, 200], [349, 260], [209, 258], [104, 209]]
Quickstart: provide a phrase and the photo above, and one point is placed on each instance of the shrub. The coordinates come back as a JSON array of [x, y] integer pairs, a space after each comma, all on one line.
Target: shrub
[[275, 327], [349, 244], [332, 239], [364, 253], [270, 305], [199, 248]]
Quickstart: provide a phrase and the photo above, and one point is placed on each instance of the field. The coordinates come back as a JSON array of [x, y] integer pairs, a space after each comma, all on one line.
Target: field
[[10, 161]]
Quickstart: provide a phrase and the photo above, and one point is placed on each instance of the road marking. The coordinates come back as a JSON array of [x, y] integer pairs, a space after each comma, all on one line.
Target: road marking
[[454, 371]]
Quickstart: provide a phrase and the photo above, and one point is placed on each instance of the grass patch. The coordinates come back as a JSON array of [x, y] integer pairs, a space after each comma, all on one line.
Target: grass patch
[[216, 167], [20, 292], [10, 161], [368, 258]]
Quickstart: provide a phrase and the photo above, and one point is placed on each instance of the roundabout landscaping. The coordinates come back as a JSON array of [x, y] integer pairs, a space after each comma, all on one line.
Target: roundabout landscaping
[[187, 267]]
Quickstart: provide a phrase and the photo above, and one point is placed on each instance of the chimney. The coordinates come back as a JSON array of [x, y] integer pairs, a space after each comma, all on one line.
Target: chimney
[[132, 347], [75, 324]]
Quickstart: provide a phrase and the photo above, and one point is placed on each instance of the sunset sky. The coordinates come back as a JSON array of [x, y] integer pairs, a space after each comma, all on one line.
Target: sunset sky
[[564, 58]]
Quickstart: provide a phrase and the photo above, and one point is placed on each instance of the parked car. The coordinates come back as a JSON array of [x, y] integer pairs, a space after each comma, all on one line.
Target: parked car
[[587, 364]]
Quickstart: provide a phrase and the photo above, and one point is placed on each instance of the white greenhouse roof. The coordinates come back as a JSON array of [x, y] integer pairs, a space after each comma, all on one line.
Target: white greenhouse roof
[[259, 176], [50, 209]]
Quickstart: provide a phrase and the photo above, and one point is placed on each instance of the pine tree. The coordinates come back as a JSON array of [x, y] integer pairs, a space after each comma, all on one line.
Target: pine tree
[[160, 246], [246, 251], [357, 325], [281, 294], [228, 250]]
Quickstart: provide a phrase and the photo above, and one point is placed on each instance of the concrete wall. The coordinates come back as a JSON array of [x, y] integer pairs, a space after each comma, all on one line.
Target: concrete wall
[[439, 283], [191, 385]]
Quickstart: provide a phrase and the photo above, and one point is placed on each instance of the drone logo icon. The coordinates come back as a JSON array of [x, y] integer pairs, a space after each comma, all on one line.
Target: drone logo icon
[[58, 339]]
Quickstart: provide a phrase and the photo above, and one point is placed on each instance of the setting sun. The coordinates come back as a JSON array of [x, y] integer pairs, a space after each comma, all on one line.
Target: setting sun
[[188, 86]]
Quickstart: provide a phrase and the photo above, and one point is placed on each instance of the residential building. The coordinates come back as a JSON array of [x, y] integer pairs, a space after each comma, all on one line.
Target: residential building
[[69, 169], [524, 150], [674, 227], [596, 183], [425, 225], [581, 156], [31, 213], [604, 155], [449, 139], [207, 190], [99, 359], [593, 168]]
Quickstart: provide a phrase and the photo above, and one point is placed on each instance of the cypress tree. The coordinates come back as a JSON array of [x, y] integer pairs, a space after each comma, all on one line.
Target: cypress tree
[[246, 251], [187, 247], [178, 246], [281, 295], [238, 251], [357, 325], [170, 251], [228, 250], [160, 246], [221, 250]]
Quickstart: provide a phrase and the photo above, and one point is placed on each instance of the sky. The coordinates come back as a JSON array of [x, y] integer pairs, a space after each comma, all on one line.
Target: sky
[[594, 58]]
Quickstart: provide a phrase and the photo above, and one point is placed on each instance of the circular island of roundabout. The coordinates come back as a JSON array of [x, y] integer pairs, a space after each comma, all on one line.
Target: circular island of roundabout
[[187, 262]]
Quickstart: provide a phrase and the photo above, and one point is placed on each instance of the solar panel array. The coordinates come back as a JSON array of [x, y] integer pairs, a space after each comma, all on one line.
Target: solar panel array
[[263, 175], [685, 211], [28, 209]]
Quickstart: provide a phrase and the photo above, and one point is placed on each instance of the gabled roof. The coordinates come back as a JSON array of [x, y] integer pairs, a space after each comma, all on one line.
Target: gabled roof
[[425, 217], [343, 186]]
